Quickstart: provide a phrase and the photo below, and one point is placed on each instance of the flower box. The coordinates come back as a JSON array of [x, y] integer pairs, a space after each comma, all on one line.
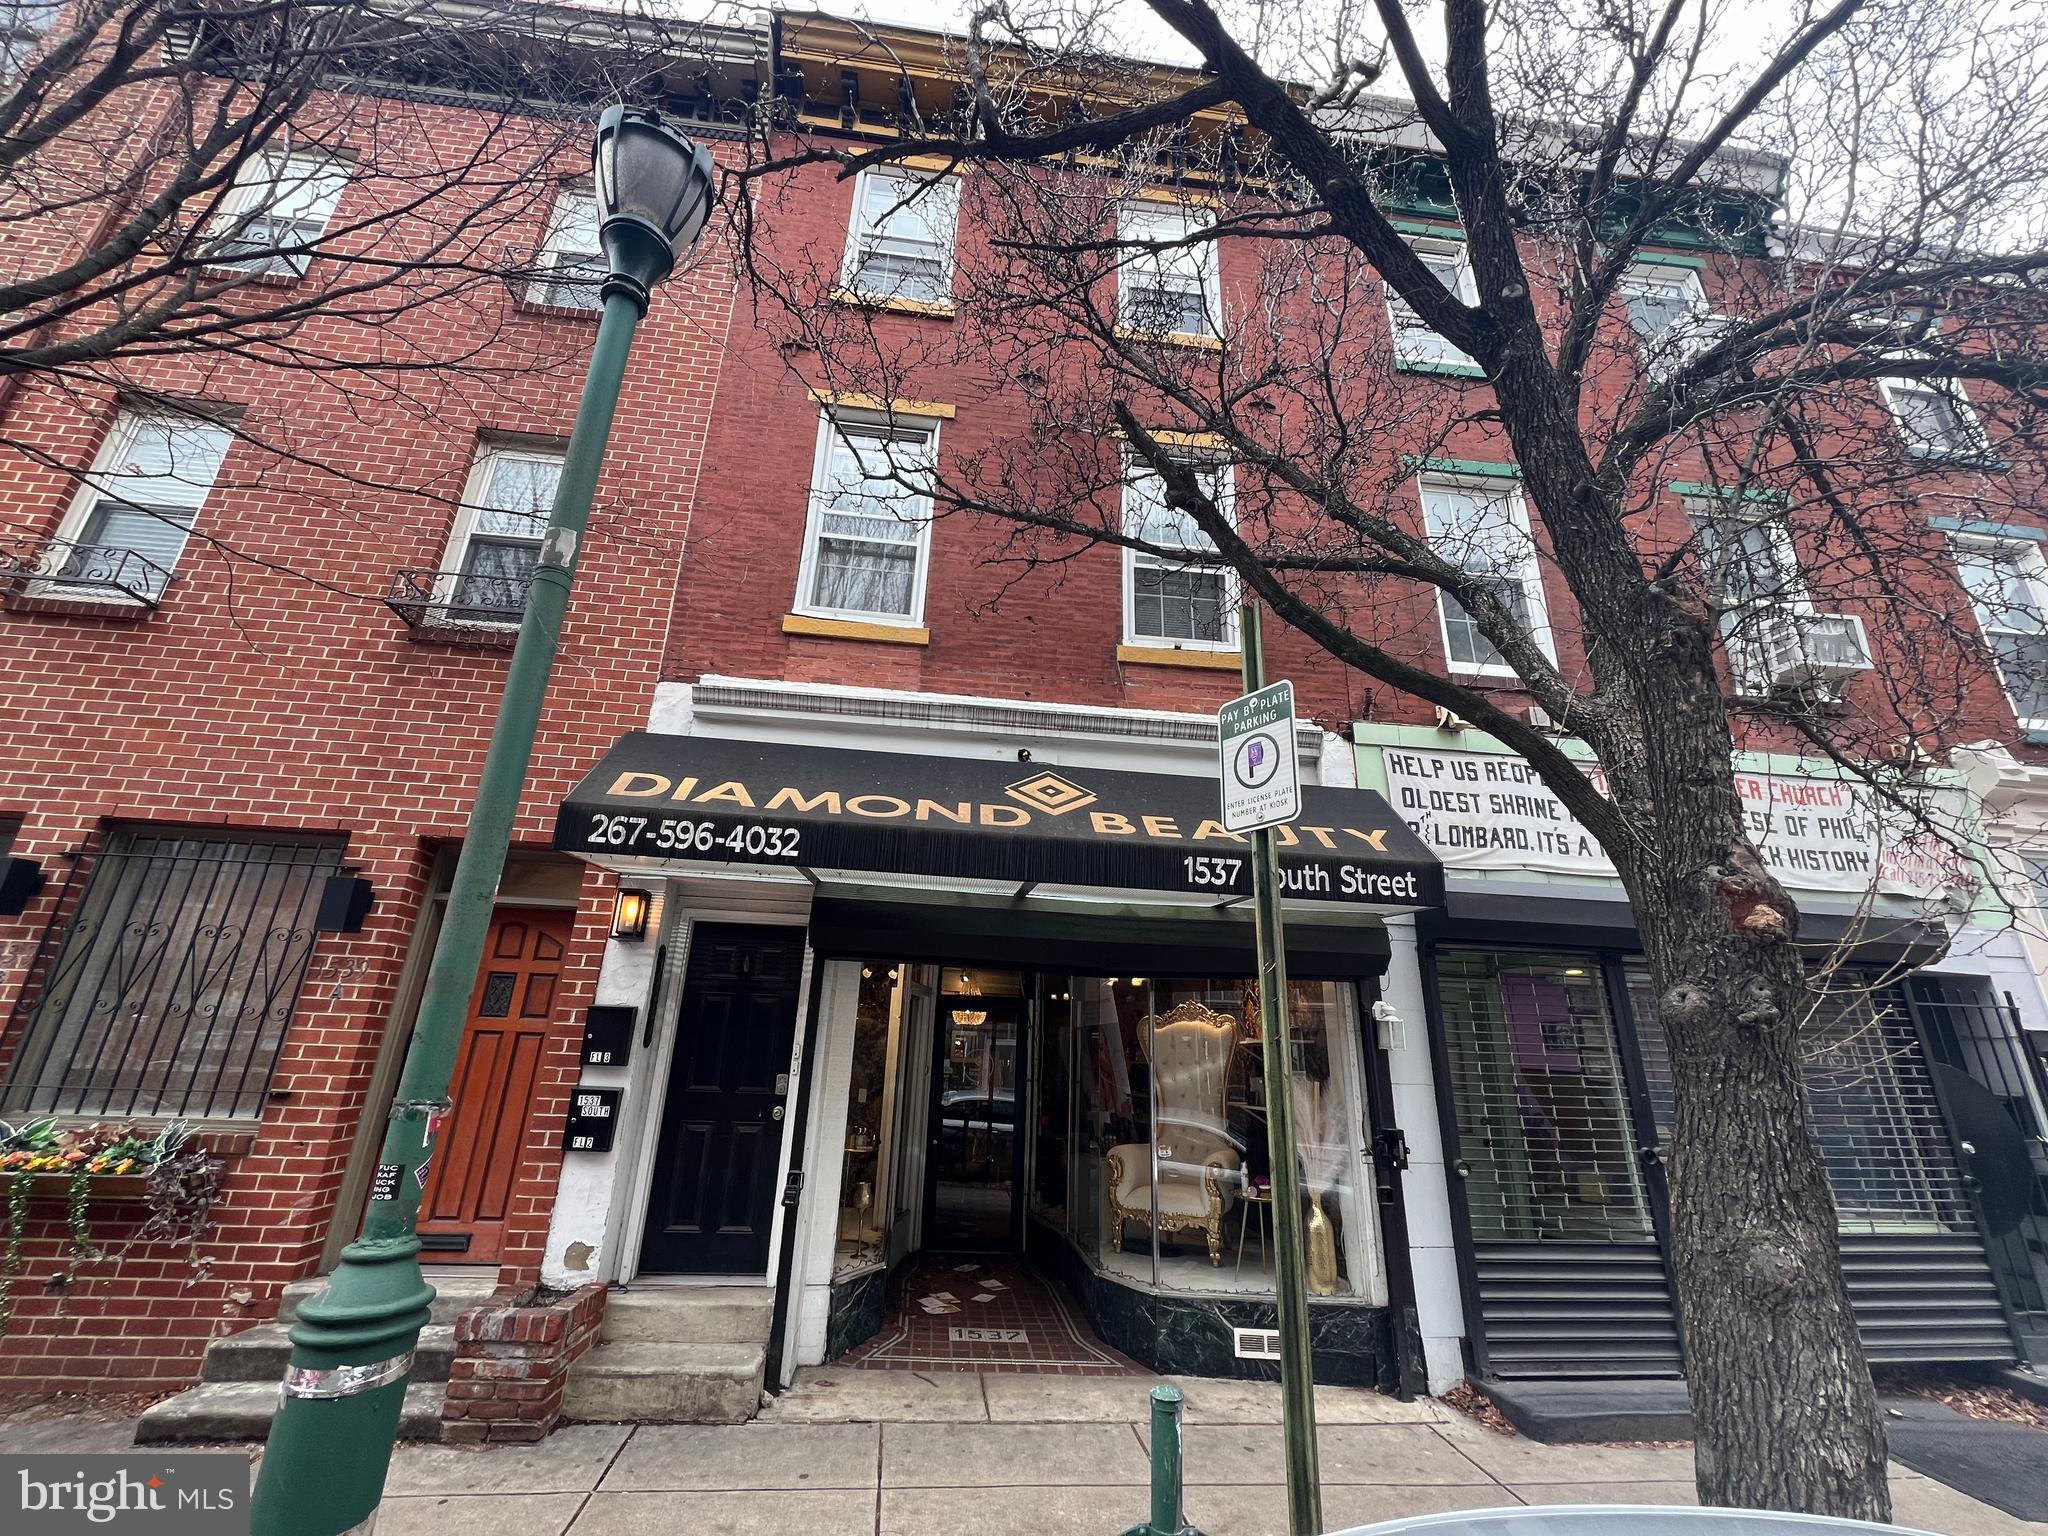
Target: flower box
[[57, 1186]]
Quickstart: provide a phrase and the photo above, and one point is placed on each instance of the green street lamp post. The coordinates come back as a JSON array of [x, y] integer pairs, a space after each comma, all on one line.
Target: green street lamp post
[[330, 1445]]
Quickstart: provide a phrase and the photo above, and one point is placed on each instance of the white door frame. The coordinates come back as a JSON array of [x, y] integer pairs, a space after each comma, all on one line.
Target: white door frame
[[637, 1180]]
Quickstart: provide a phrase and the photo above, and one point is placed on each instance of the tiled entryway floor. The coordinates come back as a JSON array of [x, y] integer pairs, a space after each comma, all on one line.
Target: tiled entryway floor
[[971, 1312]]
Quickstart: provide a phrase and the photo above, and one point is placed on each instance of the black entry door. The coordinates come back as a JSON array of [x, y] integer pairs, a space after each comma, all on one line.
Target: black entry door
[[713, 1191]]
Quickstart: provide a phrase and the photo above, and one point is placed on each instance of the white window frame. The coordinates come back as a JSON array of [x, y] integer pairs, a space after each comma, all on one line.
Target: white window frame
[[245, 200], [448, 580], [913, 187], [1415, 344], [1976, 447], [901, 426], [128, 425], [1530, 576], [1738, 627], [2035, 562], [1664, 355], [554, 257], [1154, 220], [1224, 490]]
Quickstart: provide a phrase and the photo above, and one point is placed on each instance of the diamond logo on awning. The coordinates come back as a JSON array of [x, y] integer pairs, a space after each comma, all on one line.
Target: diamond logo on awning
[[1050, 793]]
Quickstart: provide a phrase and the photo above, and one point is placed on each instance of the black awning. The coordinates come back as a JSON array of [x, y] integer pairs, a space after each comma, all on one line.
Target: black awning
[[701, 800], [1203, 942]]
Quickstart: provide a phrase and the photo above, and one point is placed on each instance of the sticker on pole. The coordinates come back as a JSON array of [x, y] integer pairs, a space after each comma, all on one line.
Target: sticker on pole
[[1261, 779]]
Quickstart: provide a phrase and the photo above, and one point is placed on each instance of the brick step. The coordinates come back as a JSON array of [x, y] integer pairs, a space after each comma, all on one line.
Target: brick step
[[692, 1314], [242, 1410], [452, 1294], [631, 1381], [260, 1354]]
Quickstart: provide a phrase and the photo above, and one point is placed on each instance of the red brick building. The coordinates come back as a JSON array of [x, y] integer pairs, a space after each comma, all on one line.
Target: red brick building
[[204, 732], [933, 1044]]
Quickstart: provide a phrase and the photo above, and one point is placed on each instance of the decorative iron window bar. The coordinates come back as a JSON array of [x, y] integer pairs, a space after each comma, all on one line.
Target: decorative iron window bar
[[50, 567], [174, 984], [459, 601]]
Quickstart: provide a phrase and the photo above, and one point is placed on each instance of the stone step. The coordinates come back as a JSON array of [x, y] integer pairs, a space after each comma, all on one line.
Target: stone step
[[692, 1314], [242, 1410], [453, 1294], [260, 1354], [631, 1381]]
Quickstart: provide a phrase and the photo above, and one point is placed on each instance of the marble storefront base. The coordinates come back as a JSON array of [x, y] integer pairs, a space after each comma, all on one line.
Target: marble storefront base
[[1352, 1342], [857, 1311]]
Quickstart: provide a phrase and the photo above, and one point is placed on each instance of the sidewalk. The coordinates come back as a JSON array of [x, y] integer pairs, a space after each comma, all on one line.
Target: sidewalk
[[897, 1453]]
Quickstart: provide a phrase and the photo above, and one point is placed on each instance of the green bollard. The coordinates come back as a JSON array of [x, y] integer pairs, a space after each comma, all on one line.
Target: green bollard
[[1168, 1518]]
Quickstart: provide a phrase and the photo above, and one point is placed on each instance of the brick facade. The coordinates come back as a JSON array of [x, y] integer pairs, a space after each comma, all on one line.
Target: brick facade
[[276, 692]]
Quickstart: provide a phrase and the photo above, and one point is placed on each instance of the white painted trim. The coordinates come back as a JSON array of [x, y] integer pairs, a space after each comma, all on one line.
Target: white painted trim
[[1531, 575], [810, 1279], [829, 424], [1226, 497], [935, 184], [626, 1185]]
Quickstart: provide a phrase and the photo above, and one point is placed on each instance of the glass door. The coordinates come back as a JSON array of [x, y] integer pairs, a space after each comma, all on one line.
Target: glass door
[[974, 1149]]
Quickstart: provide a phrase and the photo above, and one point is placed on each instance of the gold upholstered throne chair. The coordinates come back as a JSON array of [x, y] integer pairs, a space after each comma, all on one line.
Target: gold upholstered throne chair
[[1197, 1160]]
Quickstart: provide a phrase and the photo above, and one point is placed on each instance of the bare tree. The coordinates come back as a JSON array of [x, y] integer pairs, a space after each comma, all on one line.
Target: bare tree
[[1723, 459], [199, 197]]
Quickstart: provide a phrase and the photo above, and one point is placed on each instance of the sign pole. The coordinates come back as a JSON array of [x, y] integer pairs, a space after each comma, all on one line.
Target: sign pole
[[1297, 1394]]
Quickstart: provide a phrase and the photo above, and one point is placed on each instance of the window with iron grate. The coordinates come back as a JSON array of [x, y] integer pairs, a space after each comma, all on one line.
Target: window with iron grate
[[176, 979]]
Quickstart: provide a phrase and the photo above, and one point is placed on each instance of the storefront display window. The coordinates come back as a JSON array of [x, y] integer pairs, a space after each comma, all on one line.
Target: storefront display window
[[870, 1120], [1139, 1129], [1191, 1198]]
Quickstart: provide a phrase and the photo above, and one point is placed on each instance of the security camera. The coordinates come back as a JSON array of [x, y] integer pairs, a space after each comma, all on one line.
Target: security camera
[[1023, 754]]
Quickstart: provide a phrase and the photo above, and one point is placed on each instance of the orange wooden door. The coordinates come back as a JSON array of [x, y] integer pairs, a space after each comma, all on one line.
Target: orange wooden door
[[476, 1157]]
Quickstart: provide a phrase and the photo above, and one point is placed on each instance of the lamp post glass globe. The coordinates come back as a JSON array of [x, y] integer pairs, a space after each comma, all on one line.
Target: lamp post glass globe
[[654, 188]]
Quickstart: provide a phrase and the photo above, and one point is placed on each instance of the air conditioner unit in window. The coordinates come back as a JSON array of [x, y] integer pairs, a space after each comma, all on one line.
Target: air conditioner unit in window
[[1818, 651]]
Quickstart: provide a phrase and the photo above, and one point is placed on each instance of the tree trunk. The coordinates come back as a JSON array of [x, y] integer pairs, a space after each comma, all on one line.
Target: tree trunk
[[1783, 1408]]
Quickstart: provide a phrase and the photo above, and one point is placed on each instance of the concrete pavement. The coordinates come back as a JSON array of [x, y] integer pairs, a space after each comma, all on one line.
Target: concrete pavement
[[892, 1453]]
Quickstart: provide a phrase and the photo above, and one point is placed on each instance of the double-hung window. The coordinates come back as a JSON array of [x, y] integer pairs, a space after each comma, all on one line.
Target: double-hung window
[[570, 268], [1667, 309], [1773, 634], [1935, 418], [497, 537], [1166, 286], [2008, 585], [1175, 594], [901, 248], [279, 205], [1415, 344], [1482, 528], [868, 537], [130, 519]]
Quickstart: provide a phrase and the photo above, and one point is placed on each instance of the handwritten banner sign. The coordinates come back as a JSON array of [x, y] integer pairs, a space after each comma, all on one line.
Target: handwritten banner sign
[[1490, 811]]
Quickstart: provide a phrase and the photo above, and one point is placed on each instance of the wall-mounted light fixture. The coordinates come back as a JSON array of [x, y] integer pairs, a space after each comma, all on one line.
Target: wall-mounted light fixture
[[20, 882], [629, 916], [345, 900]]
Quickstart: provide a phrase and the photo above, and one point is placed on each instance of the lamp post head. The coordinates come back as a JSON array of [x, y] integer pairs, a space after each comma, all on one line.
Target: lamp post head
[[654, 188]]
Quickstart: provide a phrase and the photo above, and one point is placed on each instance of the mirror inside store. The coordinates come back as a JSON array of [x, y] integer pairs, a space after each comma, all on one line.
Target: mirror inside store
[[994, 1110]]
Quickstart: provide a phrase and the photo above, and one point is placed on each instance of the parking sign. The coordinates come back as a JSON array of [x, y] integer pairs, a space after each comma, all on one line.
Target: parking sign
[[1261, 778]]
